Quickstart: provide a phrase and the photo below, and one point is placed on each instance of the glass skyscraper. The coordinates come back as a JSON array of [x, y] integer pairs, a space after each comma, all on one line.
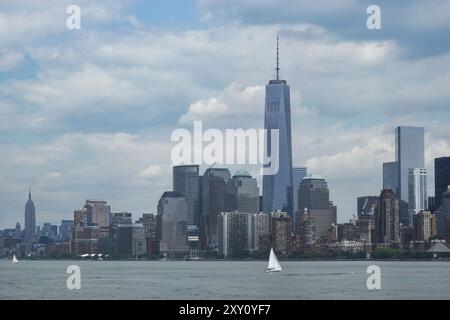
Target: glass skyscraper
[[390, 176], [418, 196], [298, 173], [172, 226], [441, 178], [409, 153], [277, 188], [314, 197], [186, 181]]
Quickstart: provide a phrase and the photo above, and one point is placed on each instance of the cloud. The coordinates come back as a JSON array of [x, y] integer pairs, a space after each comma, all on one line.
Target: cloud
[[230, 105]]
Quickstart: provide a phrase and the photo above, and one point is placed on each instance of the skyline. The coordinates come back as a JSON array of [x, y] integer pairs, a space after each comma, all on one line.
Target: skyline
[[54, 139]]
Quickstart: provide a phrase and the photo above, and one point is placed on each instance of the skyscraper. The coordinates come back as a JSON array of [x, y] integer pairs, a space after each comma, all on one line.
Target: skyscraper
[[441, 178], [277, 188], [18, 231], [409, 153], [247, 192], [390, 176], [98, 214], [423, 230], [66, 230], [172, 224], [298, 173], [30, 221], [446, 213], [233, 233], [131, 240], [387, 225], [418, 198], [281, 225], [260, 227], [314, 196], [186, 181], [215, 199]]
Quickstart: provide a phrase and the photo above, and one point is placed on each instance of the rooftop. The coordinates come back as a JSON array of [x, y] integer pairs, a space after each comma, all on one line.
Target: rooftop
[[242, 173], [313, 177]]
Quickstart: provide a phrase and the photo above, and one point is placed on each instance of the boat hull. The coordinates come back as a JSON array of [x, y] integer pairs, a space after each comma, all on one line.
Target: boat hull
[[272, 270]]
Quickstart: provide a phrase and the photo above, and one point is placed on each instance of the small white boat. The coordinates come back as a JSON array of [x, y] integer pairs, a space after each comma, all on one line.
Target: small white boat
[[14, 260], [274, 265]]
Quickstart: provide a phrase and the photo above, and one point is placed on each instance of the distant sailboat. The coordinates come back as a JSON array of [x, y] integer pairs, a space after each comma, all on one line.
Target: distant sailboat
[[14, 260], [274, 265]]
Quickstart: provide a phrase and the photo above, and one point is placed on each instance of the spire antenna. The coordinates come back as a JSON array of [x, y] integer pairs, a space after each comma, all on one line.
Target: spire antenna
[[278, 61], [29, 193]]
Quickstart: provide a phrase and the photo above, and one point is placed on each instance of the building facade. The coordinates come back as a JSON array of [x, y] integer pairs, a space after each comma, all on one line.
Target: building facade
[[277, 188], [233, 233], [418, 196], [441, 178], [409, 153], [298, 173], [314, 196], [172, 224], [247, 192], [387, 217], [30, 221], [186, 181], [131, 240]]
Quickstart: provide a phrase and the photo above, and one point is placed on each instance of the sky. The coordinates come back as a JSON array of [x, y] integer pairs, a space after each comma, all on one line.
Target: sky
[[88, 114]]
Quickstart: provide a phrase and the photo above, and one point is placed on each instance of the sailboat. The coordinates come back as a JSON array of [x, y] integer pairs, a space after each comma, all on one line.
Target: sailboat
[[274, 265], [14, 260]]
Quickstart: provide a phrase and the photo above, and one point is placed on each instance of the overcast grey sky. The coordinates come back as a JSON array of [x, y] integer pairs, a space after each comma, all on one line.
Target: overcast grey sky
[[89, 113]]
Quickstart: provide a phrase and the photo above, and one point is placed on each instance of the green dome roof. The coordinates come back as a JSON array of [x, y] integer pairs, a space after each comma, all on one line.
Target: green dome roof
[[242, 173], [313, 177]]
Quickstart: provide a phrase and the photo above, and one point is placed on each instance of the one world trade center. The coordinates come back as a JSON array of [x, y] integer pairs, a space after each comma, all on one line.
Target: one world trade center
[[277, 188]]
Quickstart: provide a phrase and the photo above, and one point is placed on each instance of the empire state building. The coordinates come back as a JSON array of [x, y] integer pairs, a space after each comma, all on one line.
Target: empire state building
[[30, 221], [277, 188]]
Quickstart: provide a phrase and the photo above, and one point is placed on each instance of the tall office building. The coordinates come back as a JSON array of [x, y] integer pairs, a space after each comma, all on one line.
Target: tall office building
[[218, 195], [298, 173], [247, 192], [277, 188], [314, 196], [409, 153], [131, 240], [233, 233], [18, 231], [366, 205], [391, 176], [98, 214], [423, 229], [365, 228], [66, 230], [282, 237], [118, 218], [30, 221], [186, 181], [441, 178], [260, 228], [307, 230], [172, 224], [446, 213], [418, 198], [148, 220], [387, 226]]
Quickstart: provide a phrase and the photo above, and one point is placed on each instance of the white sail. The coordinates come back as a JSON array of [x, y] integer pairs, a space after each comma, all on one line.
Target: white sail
[[273, 265], [15, 259]]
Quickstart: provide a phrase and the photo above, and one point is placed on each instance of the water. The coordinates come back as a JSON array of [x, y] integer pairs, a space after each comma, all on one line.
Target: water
[[224, 280]]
